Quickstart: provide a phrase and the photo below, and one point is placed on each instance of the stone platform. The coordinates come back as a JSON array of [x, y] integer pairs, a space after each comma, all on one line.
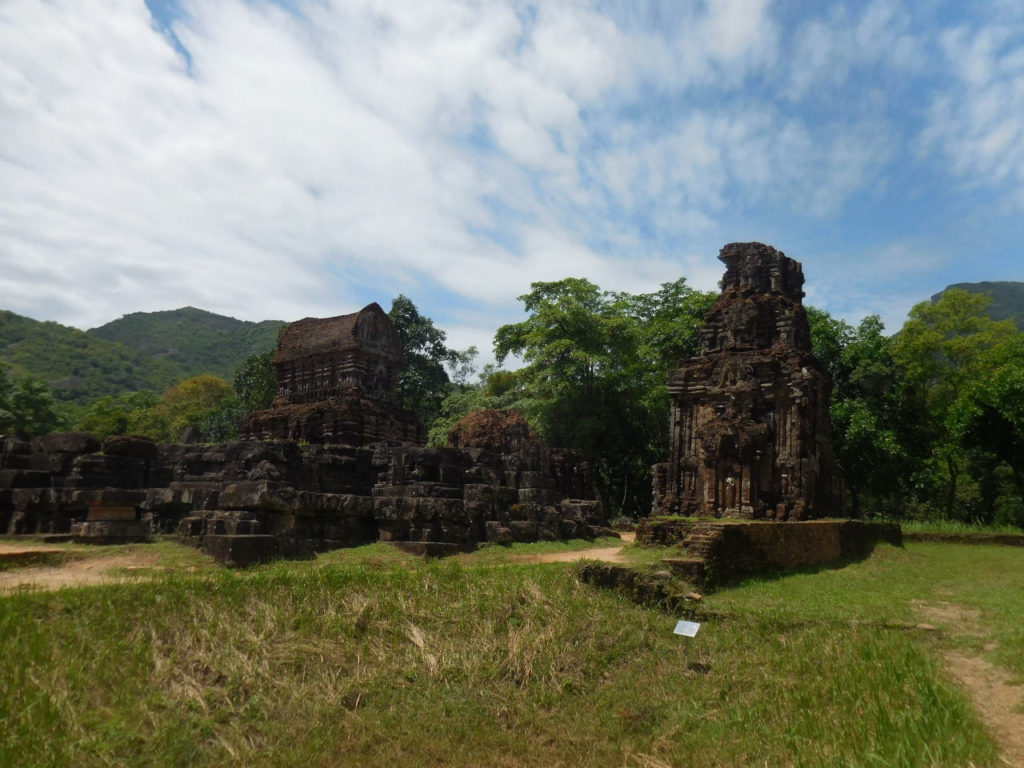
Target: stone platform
[[250, 501], [718, 551]]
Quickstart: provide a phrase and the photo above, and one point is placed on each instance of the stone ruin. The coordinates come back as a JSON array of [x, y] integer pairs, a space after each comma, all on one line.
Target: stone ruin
[[750, 427], [336, 381], [345, 469]]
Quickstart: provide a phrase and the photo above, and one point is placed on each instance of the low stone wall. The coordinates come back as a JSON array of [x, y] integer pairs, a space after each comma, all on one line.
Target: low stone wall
[[718, 551], [253, 500]]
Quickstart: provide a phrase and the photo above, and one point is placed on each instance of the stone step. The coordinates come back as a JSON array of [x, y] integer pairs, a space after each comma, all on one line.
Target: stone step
[[691, 568]]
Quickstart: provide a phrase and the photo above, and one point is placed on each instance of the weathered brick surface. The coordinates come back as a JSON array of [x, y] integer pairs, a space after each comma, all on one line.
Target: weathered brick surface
[[310, 497], [362, 475], [749, 423], [726, 550], [336, 381]]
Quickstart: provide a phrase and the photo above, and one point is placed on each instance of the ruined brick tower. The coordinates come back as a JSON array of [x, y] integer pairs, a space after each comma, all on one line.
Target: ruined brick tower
[[749, 423], [336, 379]]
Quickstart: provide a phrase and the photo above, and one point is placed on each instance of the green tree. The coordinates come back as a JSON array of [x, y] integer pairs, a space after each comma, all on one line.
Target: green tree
[[876, 420], [255, 382], [595, 374], [495, 389], [988, 419], [126, 414], [830, 336], [26, 406], [424, 381], [946, 347], [668, 321], [192, 403]]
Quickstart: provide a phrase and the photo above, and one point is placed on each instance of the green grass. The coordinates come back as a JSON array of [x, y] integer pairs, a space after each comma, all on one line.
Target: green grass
[[373, 657], [956, 526]]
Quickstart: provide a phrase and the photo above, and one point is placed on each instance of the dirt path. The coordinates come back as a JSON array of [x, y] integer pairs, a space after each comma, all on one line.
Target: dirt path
[[8, 548], [606, 554], [998, 702], [72, 573]]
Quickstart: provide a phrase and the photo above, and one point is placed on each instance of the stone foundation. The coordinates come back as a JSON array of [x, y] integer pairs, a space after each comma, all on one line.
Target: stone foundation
[[715, 552], [249, 501]]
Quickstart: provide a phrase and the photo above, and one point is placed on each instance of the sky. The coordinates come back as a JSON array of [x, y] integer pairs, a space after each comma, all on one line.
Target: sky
[[278, 160]]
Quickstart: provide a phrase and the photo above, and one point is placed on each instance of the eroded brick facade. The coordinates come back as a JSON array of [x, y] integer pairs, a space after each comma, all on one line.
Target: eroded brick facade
[[749, 424], [336, 381]]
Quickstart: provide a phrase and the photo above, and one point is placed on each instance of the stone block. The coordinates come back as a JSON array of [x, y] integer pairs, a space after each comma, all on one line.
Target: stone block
[[110, 531], [497, 533], [67, 442], [9, 444], [18, 461], [259, 494], [24, 478], [131, 446], [539, 496], [103, 513], [110, 497], [239, 551], [523, 530]]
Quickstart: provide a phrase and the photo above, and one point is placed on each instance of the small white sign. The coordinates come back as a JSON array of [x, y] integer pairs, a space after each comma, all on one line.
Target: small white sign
[[686, 628]]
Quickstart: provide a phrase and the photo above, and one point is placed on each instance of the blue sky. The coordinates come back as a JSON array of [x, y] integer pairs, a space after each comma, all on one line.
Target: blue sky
[[303, 158]]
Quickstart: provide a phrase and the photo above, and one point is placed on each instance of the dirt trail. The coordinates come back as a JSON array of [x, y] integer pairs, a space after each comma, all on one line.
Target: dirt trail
[[25, 547], [117, 568], [72, 573], [989, 687], [606, 554]]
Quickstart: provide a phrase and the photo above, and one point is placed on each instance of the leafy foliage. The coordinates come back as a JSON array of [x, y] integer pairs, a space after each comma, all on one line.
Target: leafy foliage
[[195, 340], [26, 406], [193, 402], [130, 413], [144, 350], [1007, 298], [205, 405], [927, 423], [495, 389], [424, 381], [946, 347], [596, 367], [76, 366], [255, 381]]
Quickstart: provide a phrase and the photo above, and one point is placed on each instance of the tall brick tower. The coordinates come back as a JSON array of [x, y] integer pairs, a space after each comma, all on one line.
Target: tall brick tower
[[750, 424]]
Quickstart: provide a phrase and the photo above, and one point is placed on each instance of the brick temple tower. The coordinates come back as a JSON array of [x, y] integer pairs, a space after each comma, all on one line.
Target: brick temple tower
[[336, 380], [750, 425]]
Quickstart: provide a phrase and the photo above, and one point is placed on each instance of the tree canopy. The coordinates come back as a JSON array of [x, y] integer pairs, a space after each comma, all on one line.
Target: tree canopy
[[26, 406], [596, 364], [430, 365]]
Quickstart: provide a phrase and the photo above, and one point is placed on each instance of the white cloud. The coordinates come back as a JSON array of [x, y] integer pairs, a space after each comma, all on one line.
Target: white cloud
[[303, 163], [978, 123], [827, 52]]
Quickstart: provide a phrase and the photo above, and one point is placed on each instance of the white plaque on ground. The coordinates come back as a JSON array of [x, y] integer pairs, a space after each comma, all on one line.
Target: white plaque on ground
[[686, 628]]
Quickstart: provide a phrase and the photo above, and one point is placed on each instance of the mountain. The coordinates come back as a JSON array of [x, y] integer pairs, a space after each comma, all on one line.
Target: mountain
[[143, 350], [1007, 298], [193, 339], [76, 366]]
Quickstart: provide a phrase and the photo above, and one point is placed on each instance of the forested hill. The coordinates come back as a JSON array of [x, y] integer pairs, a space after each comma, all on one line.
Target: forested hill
[[1007, 298], [195, 340], [144, 350], [77, 366]]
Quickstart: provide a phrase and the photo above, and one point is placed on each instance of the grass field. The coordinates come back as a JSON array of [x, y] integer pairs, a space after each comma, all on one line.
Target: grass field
[[371, 657]]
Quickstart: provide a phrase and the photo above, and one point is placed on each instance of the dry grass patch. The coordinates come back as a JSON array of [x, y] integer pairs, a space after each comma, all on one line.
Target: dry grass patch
[[381, 659]]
